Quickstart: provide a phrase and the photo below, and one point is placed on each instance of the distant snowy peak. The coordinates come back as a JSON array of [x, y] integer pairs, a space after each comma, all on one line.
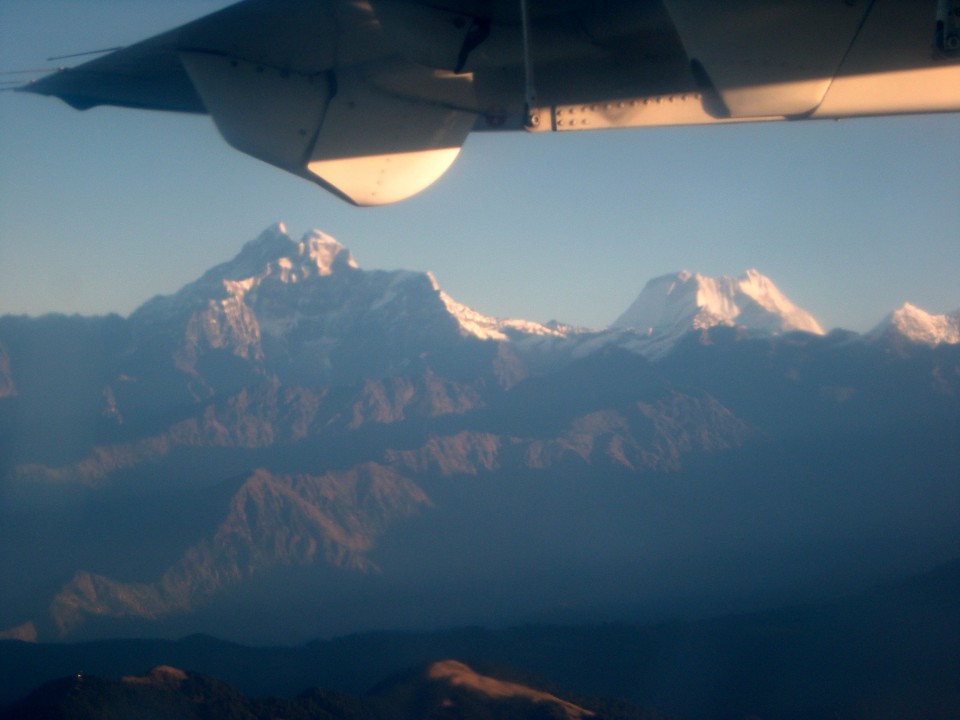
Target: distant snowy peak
[[324, 253], [275, 253], [272, 258], [274, 284], [918, 326], [674, 304]]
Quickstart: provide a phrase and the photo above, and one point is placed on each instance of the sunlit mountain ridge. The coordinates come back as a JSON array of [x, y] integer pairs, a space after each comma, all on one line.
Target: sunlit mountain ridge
[[278, 289], [913, 325], [294, 438]]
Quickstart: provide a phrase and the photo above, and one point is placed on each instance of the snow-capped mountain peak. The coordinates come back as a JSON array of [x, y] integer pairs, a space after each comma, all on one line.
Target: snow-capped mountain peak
[[674, 304], [275, 253], [324, 252], [918, 326], [306, 306]]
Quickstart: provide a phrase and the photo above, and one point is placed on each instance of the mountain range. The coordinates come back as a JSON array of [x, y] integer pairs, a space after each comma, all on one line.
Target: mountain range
[[441, 689], [292, 446], [886, 653]]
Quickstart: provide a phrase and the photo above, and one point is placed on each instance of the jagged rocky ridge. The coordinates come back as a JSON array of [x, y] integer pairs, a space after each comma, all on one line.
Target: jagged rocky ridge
[[290, 418]]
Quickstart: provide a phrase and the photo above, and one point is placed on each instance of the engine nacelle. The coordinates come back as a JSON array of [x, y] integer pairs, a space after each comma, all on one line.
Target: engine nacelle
[[338, 128]]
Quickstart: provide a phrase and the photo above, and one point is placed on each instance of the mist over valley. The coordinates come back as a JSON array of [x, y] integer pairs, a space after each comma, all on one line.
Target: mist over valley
[[292, 448]]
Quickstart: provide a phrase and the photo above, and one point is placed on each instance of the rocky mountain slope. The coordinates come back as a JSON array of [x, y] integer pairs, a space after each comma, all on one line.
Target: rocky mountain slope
[[326, 449]]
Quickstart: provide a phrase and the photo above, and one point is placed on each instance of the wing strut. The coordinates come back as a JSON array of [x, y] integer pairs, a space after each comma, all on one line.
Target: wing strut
[[87, 52]]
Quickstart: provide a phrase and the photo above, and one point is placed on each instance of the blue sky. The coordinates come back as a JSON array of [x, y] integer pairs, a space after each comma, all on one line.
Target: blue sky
[[101, 210]]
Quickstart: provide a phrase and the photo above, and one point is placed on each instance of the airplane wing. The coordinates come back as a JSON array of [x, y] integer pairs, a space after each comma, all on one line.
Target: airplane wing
[[373, 99]]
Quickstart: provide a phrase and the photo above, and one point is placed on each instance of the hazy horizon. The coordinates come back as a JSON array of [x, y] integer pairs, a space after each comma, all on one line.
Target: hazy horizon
[[101, 210]]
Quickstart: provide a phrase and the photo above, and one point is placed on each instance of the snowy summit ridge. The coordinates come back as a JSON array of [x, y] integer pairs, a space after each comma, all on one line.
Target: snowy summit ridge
[[918, 326], [675, 304], [310, 302], [487, 327], [275, 253]]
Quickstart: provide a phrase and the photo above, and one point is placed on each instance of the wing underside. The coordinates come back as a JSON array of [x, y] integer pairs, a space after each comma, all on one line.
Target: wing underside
[[372, 99]]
